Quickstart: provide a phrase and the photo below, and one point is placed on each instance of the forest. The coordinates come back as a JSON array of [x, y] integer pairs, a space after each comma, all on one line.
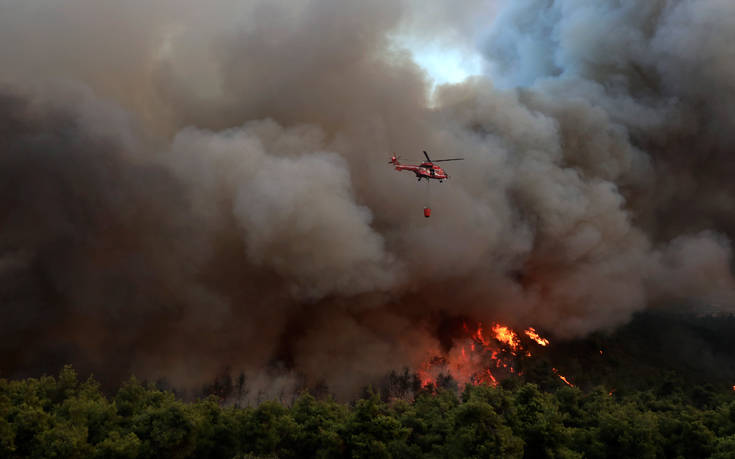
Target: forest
[[661, 386], [71, 417]]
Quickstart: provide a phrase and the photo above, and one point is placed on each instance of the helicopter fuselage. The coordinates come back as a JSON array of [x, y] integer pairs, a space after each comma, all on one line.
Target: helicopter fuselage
[[424, 170]]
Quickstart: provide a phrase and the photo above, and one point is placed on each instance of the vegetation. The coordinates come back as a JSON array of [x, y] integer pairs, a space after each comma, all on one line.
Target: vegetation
[[67, 418]]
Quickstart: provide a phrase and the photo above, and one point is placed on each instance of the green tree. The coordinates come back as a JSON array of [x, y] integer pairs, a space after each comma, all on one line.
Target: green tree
[[27, 422], [165, 428], [430, 422], [269, 429], [625, 431], [725, 448], [685, 435], [319, 423], [538, 422], [372, 432], [117, 446], [63, 440], [90, 409], [66, 384], [216, 429], [481, 432]]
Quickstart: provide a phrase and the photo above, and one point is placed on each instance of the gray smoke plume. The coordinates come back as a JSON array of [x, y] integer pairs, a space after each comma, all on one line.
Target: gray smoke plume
[[186, 187]]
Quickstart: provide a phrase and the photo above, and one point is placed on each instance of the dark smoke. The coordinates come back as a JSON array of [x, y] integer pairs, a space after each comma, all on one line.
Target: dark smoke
[[186, 188]]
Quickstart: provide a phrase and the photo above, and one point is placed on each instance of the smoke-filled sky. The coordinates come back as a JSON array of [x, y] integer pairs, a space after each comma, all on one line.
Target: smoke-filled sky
[[192, 185]]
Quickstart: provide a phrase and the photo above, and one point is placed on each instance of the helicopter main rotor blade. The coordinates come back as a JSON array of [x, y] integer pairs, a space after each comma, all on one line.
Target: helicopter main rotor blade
[[450, 159], [427, 156]]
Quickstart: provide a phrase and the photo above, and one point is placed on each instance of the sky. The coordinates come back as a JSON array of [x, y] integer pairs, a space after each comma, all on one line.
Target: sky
[[445, 63]]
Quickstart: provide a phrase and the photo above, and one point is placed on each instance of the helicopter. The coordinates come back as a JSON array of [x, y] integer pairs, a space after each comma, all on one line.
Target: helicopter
[[427, 170]]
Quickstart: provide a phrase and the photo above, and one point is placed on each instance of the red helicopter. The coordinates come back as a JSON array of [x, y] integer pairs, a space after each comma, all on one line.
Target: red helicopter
[[427, 170]]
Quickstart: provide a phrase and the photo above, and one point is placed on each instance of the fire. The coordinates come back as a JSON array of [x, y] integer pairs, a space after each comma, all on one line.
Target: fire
[[484, 355], [531, 333], [428, 373], [562, 377], [478, 336], [424, 376], [507, 336], [490, 378], [481, 357]]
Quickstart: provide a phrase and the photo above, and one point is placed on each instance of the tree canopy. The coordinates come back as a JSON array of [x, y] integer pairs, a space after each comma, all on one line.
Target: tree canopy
[[67, 417]]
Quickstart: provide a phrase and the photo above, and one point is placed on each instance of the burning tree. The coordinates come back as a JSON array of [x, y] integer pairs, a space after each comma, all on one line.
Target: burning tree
[[483, 355]]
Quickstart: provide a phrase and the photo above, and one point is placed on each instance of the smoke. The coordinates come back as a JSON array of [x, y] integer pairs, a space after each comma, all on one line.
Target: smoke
[[187, 187]]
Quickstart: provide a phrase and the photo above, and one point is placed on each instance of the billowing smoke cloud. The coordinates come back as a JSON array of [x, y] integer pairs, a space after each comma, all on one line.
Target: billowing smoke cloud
[[188, 187]]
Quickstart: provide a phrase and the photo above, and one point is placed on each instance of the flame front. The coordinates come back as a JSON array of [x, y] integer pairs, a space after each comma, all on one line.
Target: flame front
[[481, 357], [507, 336], [531, 333]]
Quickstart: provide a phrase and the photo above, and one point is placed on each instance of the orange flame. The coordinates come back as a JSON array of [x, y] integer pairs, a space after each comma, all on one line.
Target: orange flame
[[562, 377], [479, 337], [424, 376], [482, 356], [531, 333], [507, 336], [491, 379]]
